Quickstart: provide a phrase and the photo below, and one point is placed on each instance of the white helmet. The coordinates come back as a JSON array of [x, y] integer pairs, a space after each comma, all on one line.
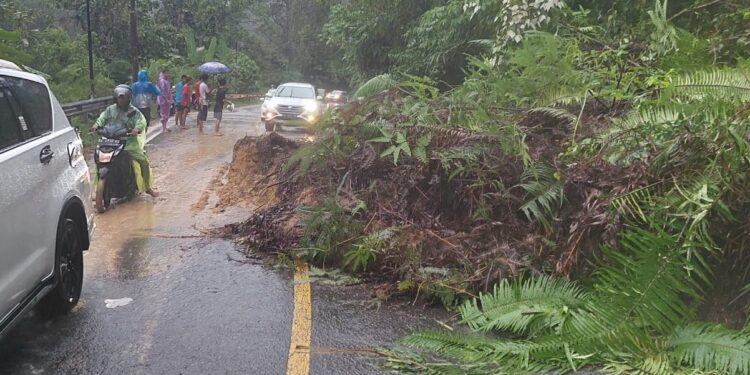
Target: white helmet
[[123, 90]]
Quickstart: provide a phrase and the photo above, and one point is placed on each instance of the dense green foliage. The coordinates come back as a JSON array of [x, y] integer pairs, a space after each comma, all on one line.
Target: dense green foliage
[[174, 35], [628, 122], [604, 141]]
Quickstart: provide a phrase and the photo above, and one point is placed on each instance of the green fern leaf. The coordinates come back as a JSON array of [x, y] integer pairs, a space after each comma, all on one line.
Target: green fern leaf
[[467, 348], [535, 304], [375, 85], [635, 204], [712, 347], [544, 194], [562, 96], [559, 114], [724, 84], [647, 277]]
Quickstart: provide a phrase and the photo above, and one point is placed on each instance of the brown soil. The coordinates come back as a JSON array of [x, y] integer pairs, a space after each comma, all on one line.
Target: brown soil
[[254, 179], [249, 181]]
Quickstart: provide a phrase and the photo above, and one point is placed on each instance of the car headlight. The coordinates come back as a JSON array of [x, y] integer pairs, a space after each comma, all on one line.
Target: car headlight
[[311, 107]]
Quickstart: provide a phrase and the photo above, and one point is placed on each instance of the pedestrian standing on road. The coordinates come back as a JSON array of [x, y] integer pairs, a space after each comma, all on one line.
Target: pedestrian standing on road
[[143, 93], [186, 101], [165, 100], [197, 95], [178, 102], [220, 99], [204, 91]]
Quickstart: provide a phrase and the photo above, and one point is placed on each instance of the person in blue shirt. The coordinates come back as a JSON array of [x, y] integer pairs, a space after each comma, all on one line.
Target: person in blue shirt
[[143, 93], [180, 122]]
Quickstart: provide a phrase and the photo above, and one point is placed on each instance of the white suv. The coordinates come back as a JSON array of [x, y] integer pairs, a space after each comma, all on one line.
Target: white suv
[[293, 104], [46, 215]]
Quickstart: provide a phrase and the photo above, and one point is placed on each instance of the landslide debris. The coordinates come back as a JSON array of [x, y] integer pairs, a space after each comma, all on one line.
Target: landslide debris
[[451, 233]]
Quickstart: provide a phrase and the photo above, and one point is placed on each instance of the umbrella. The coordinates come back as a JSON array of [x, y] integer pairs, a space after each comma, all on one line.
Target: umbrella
[[214, 67]]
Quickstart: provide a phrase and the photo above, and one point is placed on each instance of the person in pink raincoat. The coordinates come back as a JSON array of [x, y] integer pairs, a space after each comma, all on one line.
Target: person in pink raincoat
[[166, 99]]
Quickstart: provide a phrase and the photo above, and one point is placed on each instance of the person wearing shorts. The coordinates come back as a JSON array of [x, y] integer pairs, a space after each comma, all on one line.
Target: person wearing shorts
[[220, 98], [204, 91], [178, 101], [185, 103]]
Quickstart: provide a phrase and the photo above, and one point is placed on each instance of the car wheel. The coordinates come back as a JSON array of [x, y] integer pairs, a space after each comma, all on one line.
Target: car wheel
[[68, 270], [102, 196]]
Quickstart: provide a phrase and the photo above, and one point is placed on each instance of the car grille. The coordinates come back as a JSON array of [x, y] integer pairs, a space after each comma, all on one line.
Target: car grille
[[290, 111]]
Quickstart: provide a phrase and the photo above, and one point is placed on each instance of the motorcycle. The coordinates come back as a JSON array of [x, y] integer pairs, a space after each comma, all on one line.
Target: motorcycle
[[114, 167]]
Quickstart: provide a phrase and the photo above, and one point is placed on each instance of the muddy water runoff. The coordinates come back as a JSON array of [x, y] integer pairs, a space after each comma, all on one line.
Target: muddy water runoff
[[160, 296]]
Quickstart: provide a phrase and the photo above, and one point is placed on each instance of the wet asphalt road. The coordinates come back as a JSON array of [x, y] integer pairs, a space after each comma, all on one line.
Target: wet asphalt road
[[198, 306]]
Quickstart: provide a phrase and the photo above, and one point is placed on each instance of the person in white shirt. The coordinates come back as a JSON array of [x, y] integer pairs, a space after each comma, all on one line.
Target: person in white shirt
[[204, 91]]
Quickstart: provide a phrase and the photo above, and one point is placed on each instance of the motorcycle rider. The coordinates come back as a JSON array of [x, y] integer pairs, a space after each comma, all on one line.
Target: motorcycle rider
[[126, 115]]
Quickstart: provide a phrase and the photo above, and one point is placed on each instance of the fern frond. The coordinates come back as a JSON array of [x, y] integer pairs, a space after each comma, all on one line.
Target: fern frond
[[648, 278], [657, 363], [405, 362], [544, 193], [635, 204], [534, 304], [558, 114], [720, 84], [493, 355], [629, 137], [640, 291], [375, 85], [562, 96], [650, 116], [712, 347], [460, 346], [441, 137]]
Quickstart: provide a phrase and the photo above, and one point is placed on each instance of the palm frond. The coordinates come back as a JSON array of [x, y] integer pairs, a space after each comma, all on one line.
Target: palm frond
[[712, 347], [375, 85], [520, 306]]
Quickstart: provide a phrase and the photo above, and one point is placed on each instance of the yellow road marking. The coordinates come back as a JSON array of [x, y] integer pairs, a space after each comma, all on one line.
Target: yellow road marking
[[298, 362]]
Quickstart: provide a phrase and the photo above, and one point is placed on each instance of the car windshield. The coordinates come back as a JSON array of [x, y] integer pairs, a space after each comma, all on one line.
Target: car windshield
[[295, 92]]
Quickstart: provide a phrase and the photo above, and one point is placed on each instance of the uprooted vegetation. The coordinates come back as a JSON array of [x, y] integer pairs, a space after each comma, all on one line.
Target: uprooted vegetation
[[506, 189]]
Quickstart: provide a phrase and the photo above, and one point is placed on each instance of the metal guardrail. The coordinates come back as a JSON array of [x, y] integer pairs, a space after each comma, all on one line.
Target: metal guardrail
[[94, 105], [87, 106]]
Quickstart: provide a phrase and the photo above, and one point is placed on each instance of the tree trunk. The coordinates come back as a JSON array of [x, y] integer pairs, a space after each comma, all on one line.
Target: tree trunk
[[134, 39]]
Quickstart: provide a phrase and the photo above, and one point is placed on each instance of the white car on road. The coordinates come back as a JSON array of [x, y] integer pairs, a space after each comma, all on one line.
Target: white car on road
[[293, 104], [46, 214]]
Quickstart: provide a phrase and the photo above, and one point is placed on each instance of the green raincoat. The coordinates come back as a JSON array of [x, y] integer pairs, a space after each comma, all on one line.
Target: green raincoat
[[131, 118]]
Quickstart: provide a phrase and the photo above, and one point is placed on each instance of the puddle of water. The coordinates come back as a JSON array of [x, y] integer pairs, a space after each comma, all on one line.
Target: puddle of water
[[133, 259], [184, 164]]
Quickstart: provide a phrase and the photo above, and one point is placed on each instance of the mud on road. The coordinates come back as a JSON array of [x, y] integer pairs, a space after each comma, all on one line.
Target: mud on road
[[164, 295]]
